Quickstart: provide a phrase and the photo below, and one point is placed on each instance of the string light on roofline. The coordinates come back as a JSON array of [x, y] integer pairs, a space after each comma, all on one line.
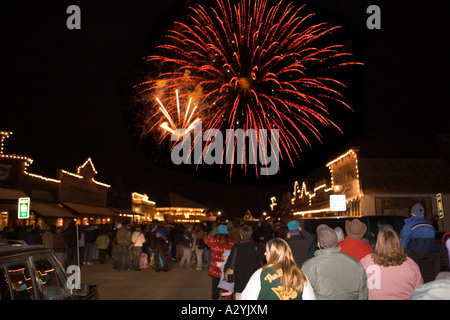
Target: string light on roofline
[[300, 193]]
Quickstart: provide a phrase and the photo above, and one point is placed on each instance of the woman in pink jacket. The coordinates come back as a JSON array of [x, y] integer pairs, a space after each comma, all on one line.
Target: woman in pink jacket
[[391, 274], [218, 241]]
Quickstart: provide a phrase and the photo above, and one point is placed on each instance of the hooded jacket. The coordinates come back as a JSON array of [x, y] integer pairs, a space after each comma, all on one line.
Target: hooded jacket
[[416, 227]]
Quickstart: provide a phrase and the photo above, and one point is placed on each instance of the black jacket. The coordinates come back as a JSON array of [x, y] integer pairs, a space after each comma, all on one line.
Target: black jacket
[[249, 258], [300, 244]]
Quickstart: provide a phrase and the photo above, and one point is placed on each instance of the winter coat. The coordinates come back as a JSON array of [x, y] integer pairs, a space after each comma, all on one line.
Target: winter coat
[[102, 241], [416, 227], [300, 244], [124, 237], [336, 276], [249, 257], [138, 238], [71, 236], [265, 284], [188, 239], [393, 282], [358, 249], [89, 236], [217, 247]]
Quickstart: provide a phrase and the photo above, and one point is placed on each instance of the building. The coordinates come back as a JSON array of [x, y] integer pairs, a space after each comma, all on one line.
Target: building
[[375, 186], [16, 182], [143, 209], [71, 196], [85, 196], [183, 210]]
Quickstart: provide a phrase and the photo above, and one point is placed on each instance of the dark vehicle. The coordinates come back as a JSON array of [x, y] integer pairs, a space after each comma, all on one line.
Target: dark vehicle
[[32, 272], [374, 223]]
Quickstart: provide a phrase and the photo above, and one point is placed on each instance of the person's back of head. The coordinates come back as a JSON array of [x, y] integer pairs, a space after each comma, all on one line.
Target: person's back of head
[[388, 250], [326, 237], [246, 232], [280, 256]]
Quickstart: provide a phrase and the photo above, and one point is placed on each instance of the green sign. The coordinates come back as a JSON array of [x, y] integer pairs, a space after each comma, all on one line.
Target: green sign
[[24, 208], [440, 206]]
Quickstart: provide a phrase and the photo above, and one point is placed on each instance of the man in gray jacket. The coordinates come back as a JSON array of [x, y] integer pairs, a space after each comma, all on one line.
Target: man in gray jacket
[[335, 275]]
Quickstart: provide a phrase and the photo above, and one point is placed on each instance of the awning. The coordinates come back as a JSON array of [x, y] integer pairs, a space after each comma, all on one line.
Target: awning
[[53, 210], [11, 194], [84, 209]]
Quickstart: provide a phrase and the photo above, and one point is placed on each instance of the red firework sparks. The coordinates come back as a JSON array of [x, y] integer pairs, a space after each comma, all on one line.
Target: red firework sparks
[[253, 66]]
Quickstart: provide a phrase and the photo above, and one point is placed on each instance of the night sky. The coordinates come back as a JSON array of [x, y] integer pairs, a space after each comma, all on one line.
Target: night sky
[[63, 92]]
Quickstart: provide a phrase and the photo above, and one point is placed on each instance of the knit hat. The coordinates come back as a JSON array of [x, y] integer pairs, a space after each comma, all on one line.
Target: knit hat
[[355, 229], [417, 210], [293, 226], [223, 229], [326, 236]]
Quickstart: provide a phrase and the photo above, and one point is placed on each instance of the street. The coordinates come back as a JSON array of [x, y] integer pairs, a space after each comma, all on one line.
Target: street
[[147, 284]]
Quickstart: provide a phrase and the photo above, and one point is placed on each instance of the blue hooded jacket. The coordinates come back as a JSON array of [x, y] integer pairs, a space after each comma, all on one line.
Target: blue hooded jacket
[[421, 231]]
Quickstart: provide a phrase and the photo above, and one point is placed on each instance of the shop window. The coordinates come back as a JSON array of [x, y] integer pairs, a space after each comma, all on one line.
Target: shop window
[[21, 283], [401, 205], [50, 279]]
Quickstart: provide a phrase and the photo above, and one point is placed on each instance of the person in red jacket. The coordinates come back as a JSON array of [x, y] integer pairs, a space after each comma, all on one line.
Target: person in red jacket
[[353, 244], [218, 241]]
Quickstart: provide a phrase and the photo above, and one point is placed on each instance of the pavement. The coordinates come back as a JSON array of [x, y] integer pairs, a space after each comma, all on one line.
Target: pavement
[[147, 284]]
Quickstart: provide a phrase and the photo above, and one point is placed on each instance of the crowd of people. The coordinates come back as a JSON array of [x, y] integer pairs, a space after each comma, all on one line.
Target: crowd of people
[[260, 260], [409, 264]]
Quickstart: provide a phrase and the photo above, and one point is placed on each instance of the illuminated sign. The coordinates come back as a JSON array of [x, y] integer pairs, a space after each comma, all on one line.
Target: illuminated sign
[[23, 208], [440, 206], [338, 202]]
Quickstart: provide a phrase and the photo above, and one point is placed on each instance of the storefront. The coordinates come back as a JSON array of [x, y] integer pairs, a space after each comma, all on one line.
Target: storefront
[[8, 207], [12, 176], [376, 186], [71, 196], [52, 201], [86, 197], [51, 214], [183, 210], [142, 208]]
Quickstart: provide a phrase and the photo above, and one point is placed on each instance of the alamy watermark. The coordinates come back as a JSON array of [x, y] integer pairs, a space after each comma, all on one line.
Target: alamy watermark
[[73, 22], [234, 150], [373, 277], [74, 279]]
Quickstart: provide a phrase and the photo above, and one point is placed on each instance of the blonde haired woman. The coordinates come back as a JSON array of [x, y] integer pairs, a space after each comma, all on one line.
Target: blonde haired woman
[[391, 274], [280, 278]]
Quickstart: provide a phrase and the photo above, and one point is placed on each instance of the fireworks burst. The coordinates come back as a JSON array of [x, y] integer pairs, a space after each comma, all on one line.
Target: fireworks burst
[[250, 65], [184, 125]]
